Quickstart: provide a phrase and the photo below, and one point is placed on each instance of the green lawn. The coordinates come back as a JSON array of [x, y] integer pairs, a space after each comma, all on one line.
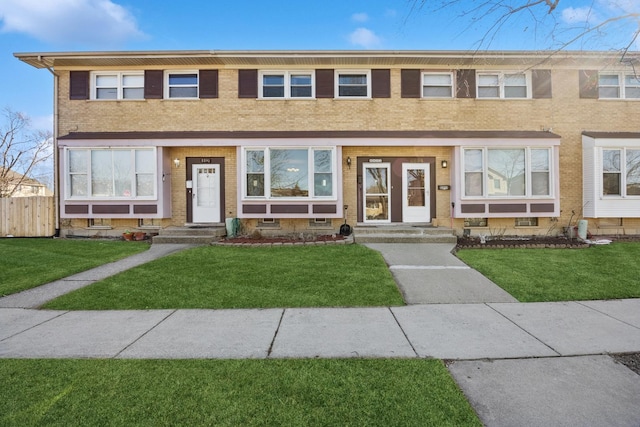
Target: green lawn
[[27, 263], [318, 392], [599, 272], [246, 277]]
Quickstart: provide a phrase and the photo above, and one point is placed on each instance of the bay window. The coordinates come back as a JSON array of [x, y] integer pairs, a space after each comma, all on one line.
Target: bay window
[[111, 173], [286, 173], [507, 172]]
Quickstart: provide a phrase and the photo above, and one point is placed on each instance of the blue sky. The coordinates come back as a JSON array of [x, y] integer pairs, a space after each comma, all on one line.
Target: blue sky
[[91, 25]]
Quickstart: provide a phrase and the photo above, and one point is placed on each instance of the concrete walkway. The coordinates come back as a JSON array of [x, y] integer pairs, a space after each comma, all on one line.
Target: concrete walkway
[[519, 364]]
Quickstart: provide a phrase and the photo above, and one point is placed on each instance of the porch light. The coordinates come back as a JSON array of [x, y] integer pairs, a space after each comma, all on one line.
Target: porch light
[[176, 162], [349, 162], [444, 164]]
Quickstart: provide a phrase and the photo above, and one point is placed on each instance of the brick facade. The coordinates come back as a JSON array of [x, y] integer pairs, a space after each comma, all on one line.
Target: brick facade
[[565, 114]]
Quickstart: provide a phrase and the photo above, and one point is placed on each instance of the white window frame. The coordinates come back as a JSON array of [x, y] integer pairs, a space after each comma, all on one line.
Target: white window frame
[[486, 182], [287, 76], [133, 173], [167, 87], [621, 87], [502, 75], [338, 73], [451, 86], [120, 86], [623, 172], [310, 175]]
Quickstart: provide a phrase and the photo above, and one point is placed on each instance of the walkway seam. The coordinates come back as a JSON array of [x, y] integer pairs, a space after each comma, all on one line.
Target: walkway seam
[[606, 314], [523, 329], [34, 326], [273, 341], [144, 334], [403, 332]]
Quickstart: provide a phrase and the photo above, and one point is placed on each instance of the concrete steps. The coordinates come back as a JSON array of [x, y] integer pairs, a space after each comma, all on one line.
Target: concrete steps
[[403, 233], [195, 235]]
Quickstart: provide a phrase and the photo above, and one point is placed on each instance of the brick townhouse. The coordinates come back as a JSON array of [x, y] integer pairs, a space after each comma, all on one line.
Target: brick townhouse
[[515, 142]]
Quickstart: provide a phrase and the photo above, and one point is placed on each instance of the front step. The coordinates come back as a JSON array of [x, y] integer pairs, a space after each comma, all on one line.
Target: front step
[[194, 235], [403, 233]]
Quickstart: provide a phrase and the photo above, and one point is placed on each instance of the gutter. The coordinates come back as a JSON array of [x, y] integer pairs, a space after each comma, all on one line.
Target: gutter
[[56, 160]]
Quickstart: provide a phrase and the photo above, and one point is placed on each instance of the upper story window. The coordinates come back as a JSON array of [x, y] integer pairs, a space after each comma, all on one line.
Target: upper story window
[[353, 84], [618, 86], [278, 173], [181, 84], [437, 85], [117, 85], [499, 85], [285, 84], [621, 172], [507, 172], [104, 173]]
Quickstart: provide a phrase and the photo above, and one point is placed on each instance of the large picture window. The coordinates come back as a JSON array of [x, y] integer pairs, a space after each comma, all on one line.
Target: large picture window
[[507, 172], [278, 173], [621, 172], [111, 173]]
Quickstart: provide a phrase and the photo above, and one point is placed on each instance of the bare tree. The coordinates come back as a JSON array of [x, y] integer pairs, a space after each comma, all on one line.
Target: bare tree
[[543, 19], [22, 150]]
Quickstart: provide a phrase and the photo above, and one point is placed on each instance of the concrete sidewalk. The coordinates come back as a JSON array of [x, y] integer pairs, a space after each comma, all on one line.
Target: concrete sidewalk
[[519, 364]]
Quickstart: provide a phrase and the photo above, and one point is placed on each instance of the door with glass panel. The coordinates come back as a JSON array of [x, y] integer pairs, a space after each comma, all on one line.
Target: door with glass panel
[[415, 192], [377, 193], [206, 193]]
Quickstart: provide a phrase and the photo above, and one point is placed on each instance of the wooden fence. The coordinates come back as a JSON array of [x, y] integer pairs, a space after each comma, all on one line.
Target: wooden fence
[[27, 216]]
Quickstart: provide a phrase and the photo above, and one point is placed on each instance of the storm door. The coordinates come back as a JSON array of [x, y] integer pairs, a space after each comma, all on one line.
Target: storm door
[[377, 193]]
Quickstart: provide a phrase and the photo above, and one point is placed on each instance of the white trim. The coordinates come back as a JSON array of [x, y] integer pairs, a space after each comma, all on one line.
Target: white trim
[[436, 73], [167, 87], [287, 75], [337, 85], [119, 87], [621, 86], [501, 75], [89, 197], [267, 174]]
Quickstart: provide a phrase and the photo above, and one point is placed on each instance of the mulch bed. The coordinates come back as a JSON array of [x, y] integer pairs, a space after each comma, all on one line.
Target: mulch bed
[[250, 240], [536, 242]]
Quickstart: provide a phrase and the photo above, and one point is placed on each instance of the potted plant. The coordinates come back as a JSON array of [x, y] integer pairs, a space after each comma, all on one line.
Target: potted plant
[[127, 235]]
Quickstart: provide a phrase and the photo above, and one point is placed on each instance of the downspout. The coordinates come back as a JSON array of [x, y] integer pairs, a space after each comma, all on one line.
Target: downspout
[[56, 160]]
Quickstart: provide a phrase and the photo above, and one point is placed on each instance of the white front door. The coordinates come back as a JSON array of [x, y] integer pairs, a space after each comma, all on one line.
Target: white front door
[[415, 192], [377, 192], [206, 193]]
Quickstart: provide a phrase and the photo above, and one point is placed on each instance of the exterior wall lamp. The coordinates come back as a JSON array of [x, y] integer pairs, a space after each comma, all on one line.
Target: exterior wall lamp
[[444, 164], [176, 162], [349, 162]]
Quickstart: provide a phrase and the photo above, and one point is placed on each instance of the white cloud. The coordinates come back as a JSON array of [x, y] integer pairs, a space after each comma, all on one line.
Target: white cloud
[[360, 17], [88, 22], [578, 15], [364, 37]]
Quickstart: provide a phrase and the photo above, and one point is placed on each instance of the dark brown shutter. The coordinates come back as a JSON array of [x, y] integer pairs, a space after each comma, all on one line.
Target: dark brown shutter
[[153, 80], [588, 84], [541, 82], [79, 85], [208, 84], [466, 84], [247, 83], [410, 82], [324, 83], [381, 83]]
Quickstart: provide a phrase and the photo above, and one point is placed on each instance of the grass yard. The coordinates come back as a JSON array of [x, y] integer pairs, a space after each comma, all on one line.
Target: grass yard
[[531, 275], [246, 277], [27, 263], [231, 393]]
